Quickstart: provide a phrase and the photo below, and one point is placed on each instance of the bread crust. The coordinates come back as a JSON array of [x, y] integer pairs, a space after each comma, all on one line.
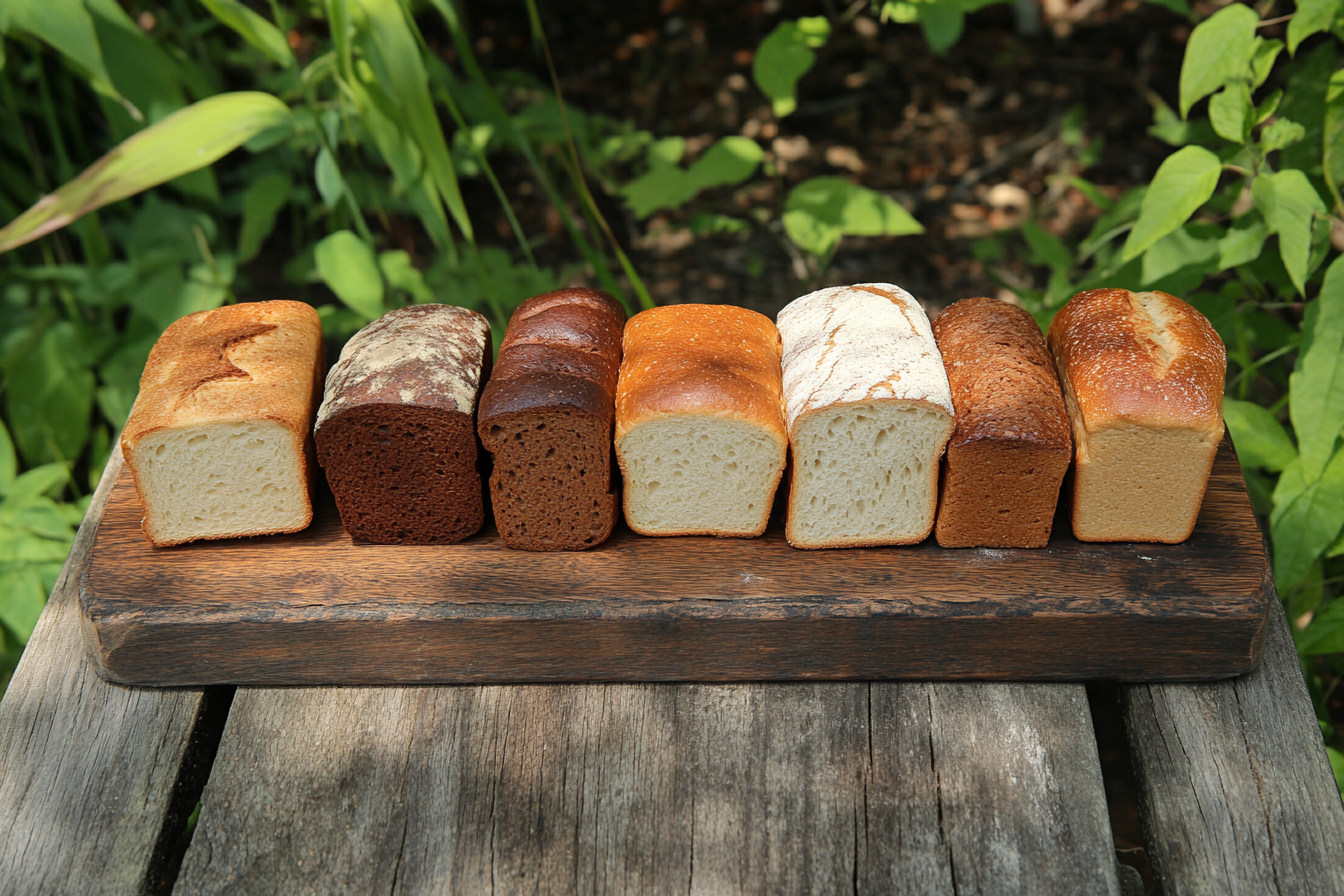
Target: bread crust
[[547, 417], [249, 361], [704, 360], [1012, 445], [857, 345], [1133, 363], [1139, 358], [396, 431]]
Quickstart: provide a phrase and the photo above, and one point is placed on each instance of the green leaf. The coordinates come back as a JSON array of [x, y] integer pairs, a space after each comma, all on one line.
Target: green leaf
[[47, 479], [821, 210], [1183, 183], [1178, 251], [730, 161], [1332, 155], [49, 398], [348, 266], [1312, 17], [330, 184], [1268, 107], [1048, 248], [666, 185], [261, 203], [252, 28], [21, 599], [1325, 634], [401, 274], [1260, 439], [1243, 241], [1289, 202], [1317, 386], [1219, 50], [9, 463], [1304, 102], [1262, 60], [184, 141], [67, 26], [401, 70], [1307, 518], [1230, 112], [785, 56], [1281, 133], [942, 22]]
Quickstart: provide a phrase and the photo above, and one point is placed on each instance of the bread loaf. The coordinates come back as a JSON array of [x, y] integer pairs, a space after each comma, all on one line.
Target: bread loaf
[[1143, 384], [547, 416], [868, 411], [218, 441], [699, 434], [1011, 446], [396, 432]]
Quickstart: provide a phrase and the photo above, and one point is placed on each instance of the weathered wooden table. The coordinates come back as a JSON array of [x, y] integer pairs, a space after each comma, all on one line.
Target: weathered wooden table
[[763, 788]]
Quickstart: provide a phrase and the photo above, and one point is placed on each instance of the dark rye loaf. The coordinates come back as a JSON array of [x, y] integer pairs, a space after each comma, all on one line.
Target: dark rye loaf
[[1011, 448], [395, 433], [547, 416]]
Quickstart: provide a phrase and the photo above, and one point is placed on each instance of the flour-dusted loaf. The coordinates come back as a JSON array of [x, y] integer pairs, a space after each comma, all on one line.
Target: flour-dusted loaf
[[396, 432], [1011, 447], [547, 416], [699, 433], [868, 412], [1143, 383], [218, 440]]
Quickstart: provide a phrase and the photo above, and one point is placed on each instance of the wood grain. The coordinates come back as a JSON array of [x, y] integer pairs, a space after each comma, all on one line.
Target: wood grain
[[87, 769], [295, 610], [1235, 791], [747, 788]]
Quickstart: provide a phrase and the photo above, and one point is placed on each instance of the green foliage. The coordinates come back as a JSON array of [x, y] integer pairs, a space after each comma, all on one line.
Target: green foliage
[[349, 267], [785, 56], [821, 210], [185, 141], [942, 21], [668, 185]]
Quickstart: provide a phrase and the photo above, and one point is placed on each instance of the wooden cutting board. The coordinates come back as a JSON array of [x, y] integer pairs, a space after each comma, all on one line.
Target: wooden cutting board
[[315, 608]]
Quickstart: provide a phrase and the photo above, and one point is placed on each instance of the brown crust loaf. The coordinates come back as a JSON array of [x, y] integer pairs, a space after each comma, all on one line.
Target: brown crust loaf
[[1143, 385], [1011, 447], [254, 361], [700, 434], [396, 431], [547, 415]]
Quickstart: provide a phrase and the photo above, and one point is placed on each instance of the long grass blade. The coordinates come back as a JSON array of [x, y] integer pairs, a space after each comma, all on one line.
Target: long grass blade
[[187, 140]]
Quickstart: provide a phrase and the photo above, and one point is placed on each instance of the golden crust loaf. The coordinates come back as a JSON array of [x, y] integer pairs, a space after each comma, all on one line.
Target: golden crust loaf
[[1143, 385], [254, 361]]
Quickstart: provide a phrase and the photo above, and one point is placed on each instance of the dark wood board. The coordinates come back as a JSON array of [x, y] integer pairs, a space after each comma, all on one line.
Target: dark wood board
[[315, 608]]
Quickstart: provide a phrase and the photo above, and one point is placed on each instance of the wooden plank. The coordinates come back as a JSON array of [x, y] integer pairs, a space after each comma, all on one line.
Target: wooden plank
[[88, 770], [292, 610], [730, 788], [1235, 790]]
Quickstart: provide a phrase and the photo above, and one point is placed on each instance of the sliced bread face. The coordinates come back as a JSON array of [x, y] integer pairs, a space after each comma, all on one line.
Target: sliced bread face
[[700, 474], [869, 412], [866, 473], [221, 480]]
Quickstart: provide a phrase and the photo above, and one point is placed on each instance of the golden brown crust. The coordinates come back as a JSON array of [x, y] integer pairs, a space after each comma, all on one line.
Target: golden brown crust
[[704, 359], [1002, 376], [1139, 358], [250, 361]]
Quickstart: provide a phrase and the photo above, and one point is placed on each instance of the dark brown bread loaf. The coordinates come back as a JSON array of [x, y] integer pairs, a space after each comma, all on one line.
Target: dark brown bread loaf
[[547, 415], [395, 433], [1011, 448]]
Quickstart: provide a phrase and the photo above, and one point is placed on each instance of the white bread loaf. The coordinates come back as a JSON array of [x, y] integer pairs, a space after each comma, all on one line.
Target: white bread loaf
[[219, 439], [699, 434], [869, 411], [1143, 385]]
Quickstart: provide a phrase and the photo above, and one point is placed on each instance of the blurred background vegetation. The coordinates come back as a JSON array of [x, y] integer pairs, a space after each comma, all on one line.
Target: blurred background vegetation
[[365, 154]]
